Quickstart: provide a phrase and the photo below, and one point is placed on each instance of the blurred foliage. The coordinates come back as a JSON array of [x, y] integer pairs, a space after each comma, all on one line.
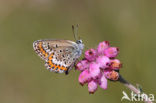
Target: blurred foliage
[[127, 24]]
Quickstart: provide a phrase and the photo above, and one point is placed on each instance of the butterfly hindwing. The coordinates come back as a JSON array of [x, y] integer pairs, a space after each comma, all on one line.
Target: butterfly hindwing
[[42, 49]]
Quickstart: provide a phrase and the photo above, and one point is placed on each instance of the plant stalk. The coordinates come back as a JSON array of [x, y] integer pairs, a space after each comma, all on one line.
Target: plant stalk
[[133, 88]]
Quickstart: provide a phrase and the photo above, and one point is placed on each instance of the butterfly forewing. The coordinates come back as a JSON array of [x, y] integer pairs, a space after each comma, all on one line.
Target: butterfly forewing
[[60, 55]]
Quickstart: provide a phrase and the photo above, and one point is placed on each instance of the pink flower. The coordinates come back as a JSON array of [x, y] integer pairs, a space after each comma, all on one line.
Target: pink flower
[[82, 65], [111, 52], [90, 54], [115, 64], [99, 66], [103, 82], [94, 70], [92, 86], [84, 77], [106, 73], [102, 46], [111, 75], [103, 61]]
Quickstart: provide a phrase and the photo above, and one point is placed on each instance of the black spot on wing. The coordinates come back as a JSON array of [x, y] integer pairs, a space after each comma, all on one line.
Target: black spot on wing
[[56, 46]]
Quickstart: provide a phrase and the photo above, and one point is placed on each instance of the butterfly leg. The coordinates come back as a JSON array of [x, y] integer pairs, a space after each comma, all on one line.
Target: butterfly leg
[[76, 61], [72, 65], [67, 72]]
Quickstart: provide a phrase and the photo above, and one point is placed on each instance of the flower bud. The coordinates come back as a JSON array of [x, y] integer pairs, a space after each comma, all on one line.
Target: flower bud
[[82, 65], [111, 52], [90, 54], [103, 82], [84, 77], [103, 61], [115, 64], [92, 86], [102, 46], [94, 70], [112, 75]]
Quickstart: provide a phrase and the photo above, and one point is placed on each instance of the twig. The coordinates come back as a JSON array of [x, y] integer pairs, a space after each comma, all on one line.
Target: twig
[[133, 88]]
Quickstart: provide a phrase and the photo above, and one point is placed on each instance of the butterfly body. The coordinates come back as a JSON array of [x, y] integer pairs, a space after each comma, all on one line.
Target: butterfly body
[[59, 55]]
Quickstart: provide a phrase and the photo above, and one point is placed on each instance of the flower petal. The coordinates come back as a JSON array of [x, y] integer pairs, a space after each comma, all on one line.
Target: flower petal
[[102, 46], [90, 54], [115, 64], [84, 77], [111, 75], [111, 52], [103, 61], [94, 70], [82, 65], [103, 82], [92, 86]]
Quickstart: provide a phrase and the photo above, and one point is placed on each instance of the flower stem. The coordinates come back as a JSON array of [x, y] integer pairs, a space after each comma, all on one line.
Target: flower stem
[[132, 88]]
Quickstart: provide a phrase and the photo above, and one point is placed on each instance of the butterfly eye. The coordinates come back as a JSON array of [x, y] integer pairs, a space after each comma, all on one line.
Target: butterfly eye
[[79, 41]]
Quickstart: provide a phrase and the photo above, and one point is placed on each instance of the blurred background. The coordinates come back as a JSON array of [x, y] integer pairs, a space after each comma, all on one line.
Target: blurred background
[[127, 24]]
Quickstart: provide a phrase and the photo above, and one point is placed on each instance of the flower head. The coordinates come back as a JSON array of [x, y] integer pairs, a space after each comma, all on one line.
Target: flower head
[[99, 66]]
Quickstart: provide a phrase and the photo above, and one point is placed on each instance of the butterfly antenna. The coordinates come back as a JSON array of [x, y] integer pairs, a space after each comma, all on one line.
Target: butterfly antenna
[[75, 31]]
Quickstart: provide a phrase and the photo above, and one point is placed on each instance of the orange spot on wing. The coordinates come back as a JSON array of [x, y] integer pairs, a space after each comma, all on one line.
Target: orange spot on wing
[[42, 50], [59, 68], [50, 57], [46, 54], [63, 68], [51, 64], [40, 45], [55, 67]]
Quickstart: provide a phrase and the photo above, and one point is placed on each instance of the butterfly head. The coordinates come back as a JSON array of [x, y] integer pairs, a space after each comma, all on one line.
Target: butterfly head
[[79, 41], [80, 44]]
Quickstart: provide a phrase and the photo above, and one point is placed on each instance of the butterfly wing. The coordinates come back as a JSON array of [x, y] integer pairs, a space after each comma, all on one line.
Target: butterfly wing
[[41, 48], [60, 55]]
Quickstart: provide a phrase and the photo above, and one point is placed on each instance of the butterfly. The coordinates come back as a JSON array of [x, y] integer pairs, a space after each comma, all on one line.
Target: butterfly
[[59, 55]]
